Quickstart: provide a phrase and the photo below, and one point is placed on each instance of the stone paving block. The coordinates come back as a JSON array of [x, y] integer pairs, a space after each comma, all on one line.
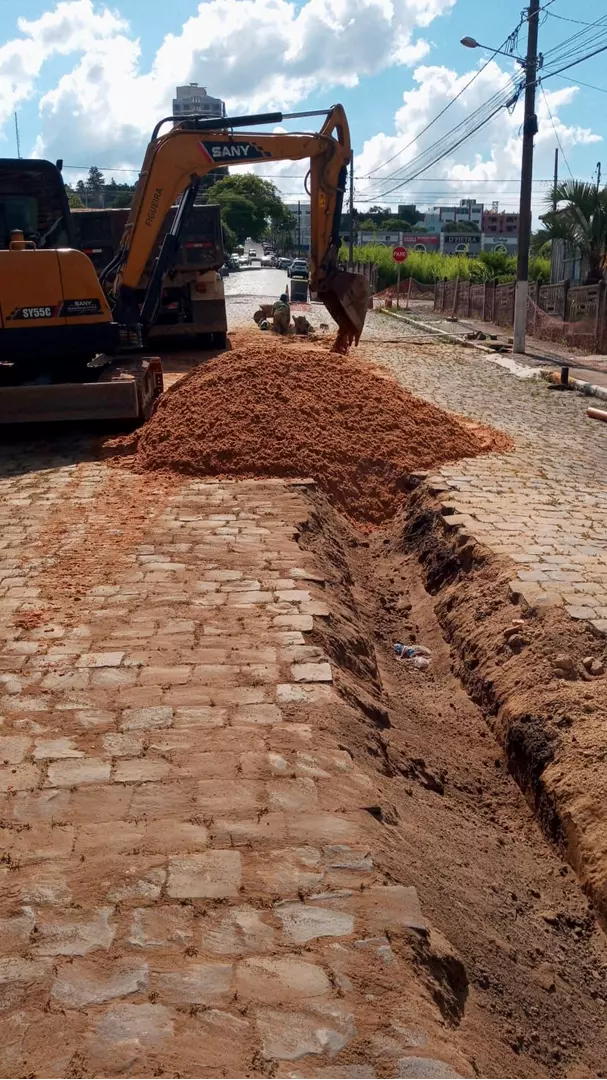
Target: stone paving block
[[156, 716], [292, 796], [73, 935], [257, 714], [303, 694], [13, 748], [139, 883], [140, 770], [44, 842], [105, 838], [310, 673], [19, 777], [84, 771], [307, 922], [16, 931], [55, 749], [290, 1035], [201, 716], [23, 982], [284, 872], [233, 797], [100, 660], [133, 1024], [276, 980], [85, 982], [194, 984], [159, 800], [117, 744], [241, 931], [213, 875], [429, 1068], [169, 836], [293, 622], [162, 925]]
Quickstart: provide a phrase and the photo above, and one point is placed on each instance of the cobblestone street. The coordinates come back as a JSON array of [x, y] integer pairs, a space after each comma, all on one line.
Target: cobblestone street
[[188, 881], [193, 878], [544, 505]]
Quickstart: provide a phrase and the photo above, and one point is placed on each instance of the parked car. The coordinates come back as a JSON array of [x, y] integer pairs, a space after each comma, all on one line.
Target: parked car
[[233, 262], [298, 269], [252, 253], [284, 263], [266, 260]]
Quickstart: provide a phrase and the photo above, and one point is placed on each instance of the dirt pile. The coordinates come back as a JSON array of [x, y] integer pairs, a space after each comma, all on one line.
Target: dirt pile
[[281, 409]]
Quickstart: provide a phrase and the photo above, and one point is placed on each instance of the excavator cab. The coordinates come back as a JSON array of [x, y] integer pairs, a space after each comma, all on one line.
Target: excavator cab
[[33, 201]]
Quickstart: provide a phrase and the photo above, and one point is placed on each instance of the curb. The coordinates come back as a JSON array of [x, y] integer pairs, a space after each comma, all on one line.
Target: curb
[[440, 333]]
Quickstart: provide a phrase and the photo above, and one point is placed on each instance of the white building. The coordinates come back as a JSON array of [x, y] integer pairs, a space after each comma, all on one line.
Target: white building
[[193, 100], [301, 230], [436, 217]]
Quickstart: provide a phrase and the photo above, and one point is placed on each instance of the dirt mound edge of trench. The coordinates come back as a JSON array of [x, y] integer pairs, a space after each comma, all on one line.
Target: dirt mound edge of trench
[[274, 409], [553, 729]]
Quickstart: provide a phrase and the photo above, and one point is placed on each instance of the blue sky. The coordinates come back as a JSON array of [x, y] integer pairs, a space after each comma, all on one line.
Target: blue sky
[[88, 81]]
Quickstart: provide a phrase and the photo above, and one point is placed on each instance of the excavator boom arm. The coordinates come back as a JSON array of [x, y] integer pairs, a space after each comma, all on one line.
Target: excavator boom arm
[[173, 161]]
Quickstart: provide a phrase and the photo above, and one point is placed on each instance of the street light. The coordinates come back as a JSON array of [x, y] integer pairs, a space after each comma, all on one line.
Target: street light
[[530, 65], [472, 43]]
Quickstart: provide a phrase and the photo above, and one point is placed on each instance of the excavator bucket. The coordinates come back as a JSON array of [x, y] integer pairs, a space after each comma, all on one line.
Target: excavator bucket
[[346, 298]]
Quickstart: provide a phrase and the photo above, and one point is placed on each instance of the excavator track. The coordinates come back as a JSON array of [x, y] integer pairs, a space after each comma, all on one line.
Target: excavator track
[[123, 391]]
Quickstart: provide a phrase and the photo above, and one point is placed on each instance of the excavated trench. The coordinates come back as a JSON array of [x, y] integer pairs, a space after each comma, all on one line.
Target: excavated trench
[[527, 985]]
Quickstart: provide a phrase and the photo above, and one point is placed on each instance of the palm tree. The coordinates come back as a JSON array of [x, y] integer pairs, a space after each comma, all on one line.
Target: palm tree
[[581, 221]]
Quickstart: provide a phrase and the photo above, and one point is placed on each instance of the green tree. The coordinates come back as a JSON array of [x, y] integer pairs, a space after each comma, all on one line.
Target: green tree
[[94, 185], [580, 219], [541, 243], [121, 198], [73, 200], [249, 205]]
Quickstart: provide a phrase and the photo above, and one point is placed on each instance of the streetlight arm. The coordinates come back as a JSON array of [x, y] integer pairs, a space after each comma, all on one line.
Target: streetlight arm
[[472, 43]]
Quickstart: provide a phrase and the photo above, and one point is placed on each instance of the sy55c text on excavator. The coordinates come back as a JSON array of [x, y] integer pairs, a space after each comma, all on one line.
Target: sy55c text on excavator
[[64, 331]]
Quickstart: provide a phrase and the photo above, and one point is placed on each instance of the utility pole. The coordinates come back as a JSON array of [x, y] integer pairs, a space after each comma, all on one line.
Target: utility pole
[[556, 178], [17, 135], [351, 225], [298, 227], [524, 229], [598, 176]]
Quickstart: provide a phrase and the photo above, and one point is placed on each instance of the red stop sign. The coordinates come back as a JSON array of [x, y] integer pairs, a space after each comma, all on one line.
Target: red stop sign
[[399, 254]]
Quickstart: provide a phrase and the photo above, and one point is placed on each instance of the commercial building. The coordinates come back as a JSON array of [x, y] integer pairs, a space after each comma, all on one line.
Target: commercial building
[[436, 217], [193, 100], [301, 229], [499, 222]]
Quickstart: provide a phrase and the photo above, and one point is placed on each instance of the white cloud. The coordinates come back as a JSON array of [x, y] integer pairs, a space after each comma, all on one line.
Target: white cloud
[[256, 54], [71, 25], [493, 154]]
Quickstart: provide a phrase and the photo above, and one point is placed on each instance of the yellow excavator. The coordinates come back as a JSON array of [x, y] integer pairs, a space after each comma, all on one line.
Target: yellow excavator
[[65, 334]]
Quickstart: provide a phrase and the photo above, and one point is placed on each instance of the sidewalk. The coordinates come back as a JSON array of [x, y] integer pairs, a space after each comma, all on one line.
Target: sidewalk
[[544, 505], [188, 882], [590, 367]]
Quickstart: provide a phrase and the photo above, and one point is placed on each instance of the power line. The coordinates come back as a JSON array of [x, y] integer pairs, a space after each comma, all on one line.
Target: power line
[[587, 84], [563, 18]]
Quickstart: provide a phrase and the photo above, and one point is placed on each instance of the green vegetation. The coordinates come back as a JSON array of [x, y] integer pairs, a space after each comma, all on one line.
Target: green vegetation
[[94, 192], [428, 267], [249, 206], [580, 219]]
